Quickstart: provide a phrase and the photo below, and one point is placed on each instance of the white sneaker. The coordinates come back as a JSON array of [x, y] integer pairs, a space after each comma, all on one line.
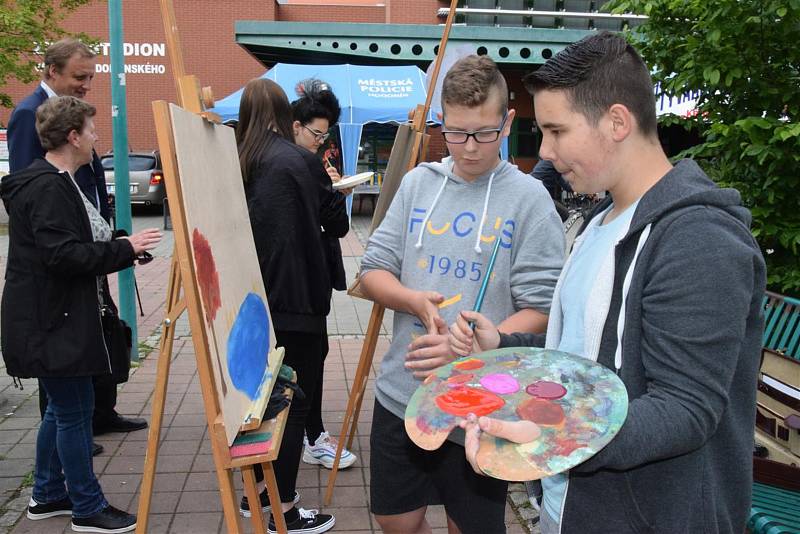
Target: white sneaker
[[324, 451]]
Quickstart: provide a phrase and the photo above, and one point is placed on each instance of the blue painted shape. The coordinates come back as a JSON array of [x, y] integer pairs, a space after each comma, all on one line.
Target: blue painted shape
[[248, 346]]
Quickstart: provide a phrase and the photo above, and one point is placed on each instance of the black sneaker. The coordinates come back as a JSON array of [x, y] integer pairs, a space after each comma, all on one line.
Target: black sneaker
[[38, 511], [109, 519], [244, 506], [306, 522]]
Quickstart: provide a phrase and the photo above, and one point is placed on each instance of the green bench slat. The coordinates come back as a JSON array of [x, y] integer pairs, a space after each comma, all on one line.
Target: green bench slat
[[774, 510], [782, 325]]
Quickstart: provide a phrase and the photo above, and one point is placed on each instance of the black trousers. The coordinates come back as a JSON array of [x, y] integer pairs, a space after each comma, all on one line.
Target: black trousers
[[305, 353], [314, 426], [105, 399]]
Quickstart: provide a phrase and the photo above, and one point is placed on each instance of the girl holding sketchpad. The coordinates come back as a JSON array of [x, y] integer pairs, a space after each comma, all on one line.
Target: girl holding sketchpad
[[315, 113]]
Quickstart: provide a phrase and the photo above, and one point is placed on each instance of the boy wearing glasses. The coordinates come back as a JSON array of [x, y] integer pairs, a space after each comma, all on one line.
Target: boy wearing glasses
[[426, 261]]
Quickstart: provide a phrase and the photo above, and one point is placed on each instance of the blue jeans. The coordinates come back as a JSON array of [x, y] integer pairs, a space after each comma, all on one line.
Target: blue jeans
[[64, 447]]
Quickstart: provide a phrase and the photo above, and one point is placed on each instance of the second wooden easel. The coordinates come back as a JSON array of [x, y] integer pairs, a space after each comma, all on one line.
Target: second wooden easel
[[183, 277], [410, 147]]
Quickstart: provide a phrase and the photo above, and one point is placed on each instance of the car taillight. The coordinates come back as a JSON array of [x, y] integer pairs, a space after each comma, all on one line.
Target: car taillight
[[156, 177]]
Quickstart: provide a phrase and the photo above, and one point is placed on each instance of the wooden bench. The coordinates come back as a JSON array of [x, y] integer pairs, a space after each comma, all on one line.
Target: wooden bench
[[776, 486]]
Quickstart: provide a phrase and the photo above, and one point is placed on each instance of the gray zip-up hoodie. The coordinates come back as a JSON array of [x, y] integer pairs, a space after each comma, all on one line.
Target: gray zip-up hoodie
[[438, 235], [689, 279]]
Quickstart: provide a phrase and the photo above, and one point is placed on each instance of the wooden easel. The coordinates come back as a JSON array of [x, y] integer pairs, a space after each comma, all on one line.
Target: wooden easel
[[183, 277], [411, 145]]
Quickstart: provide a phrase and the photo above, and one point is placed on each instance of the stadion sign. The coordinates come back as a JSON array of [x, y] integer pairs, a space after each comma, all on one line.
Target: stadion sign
[[140, 52]]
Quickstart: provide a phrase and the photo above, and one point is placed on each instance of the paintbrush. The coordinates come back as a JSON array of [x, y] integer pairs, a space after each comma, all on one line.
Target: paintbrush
[[485, 283]]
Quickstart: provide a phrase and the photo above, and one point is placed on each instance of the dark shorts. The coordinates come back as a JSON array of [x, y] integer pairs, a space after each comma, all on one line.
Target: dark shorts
[[404, 478]]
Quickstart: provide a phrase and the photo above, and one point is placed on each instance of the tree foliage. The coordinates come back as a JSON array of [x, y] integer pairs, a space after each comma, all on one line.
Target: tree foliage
[[743, 55], [26, 26]]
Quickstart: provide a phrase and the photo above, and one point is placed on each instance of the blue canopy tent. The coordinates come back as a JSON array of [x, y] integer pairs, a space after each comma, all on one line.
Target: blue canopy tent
[[366, 94], [380, 94]]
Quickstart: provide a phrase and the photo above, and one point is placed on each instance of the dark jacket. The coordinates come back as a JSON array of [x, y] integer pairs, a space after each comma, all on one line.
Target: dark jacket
[[335, 262], [682, 461], [289, 198], [24, 147], [50, 313]]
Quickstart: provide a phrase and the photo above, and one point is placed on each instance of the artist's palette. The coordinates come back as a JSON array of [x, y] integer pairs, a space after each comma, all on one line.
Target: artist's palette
[[352, 181], [579, 406]]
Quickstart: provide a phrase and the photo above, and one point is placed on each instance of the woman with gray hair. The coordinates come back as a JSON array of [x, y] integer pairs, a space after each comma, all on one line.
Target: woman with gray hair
[[60, 247]]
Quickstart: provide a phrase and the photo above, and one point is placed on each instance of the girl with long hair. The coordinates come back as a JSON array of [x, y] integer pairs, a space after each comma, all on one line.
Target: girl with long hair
[[289, 198]]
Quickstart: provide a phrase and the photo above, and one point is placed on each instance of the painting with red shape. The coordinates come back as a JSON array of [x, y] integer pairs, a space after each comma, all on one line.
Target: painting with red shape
[[577, 405], [207, 275]]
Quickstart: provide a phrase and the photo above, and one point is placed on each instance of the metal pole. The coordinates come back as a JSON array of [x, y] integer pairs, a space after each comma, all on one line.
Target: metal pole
[[119, 121]]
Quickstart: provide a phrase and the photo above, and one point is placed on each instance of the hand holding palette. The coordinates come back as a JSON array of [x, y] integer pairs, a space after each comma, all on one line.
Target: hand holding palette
[[577, 404]]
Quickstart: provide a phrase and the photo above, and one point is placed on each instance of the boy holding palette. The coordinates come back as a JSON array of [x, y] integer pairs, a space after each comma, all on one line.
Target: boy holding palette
[[426, 261], [664, 286]]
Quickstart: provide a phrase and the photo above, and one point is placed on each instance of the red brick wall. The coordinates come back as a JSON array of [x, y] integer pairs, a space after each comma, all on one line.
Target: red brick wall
[[331, 14]]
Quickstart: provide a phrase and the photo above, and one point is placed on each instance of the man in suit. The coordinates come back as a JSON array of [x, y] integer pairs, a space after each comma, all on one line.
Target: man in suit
[[69, 66]]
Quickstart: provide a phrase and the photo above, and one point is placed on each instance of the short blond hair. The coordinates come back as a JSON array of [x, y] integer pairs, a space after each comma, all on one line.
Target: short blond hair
[[58, 116], [59, 53]]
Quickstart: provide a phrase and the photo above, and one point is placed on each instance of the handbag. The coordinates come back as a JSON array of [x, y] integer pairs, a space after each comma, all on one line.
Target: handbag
[[119, 341], [117, 335]]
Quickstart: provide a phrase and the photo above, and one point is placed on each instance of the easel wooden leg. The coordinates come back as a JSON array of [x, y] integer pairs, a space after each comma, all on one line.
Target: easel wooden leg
[[159, 397], [274, 497], [356, 395], [227, 495], [254, 500]]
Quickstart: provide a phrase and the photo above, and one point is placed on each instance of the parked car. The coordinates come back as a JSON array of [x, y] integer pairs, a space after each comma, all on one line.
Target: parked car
[[146, 178]]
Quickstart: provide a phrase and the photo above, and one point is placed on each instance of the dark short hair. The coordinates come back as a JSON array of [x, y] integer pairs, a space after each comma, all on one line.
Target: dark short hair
[[316, 101], [58, 116], [59, 53], [597, 72], [470, 82]]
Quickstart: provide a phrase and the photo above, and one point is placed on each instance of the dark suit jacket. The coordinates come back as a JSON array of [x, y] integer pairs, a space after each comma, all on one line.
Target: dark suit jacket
[[24, 147]]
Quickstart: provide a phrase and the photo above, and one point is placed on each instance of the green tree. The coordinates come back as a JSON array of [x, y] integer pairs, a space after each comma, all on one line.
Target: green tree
[[26, 26], [743, 55]]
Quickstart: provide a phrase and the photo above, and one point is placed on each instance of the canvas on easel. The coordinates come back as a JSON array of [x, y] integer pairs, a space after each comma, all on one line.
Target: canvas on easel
[[229, 281]]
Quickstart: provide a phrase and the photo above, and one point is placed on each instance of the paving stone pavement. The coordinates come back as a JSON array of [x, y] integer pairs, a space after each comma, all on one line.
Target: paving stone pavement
[[185, 498]]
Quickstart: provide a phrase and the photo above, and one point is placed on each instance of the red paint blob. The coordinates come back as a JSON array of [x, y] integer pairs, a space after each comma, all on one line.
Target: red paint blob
[[460, 379], [541, 412], [207, 276], [544, 389], [469, 365], [463, 401]]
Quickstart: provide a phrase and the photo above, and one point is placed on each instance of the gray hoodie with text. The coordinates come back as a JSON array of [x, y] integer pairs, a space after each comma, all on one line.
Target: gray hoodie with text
[[432, 239]]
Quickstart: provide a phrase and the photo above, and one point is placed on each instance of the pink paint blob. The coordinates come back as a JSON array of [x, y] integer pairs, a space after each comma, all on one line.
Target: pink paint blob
[[500, 383], [545, 389]]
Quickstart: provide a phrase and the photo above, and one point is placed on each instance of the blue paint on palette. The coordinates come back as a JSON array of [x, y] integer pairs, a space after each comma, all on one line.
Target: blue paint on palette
[[248, 346]]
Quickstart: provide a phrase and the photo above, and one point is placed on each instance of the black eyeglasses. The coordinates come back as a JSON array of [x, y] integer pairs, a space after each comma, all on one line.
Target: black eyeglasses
[[319, 136], [459, 137]]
